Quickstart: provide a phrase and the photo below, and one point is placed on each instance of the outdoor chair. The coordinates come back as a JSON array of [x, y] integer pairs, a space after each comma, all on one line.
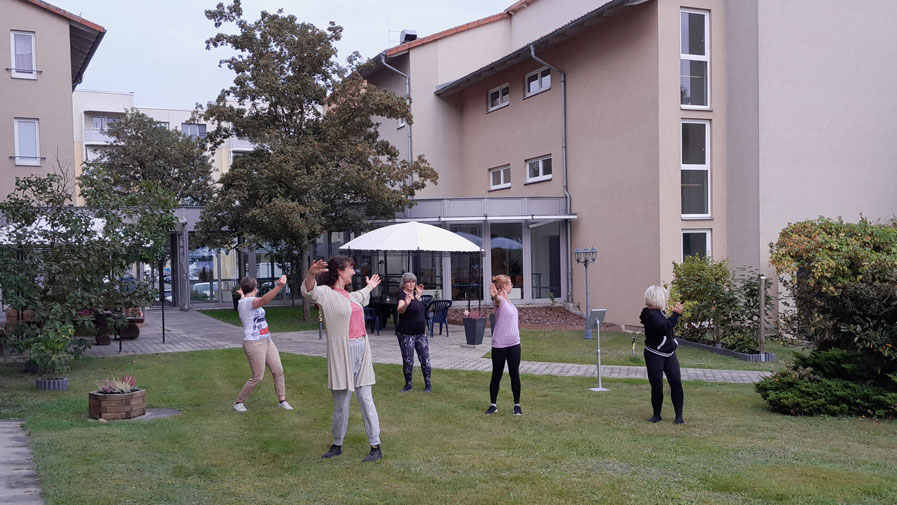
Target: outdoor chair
[[372, 318], [437, 312], [426, 299]]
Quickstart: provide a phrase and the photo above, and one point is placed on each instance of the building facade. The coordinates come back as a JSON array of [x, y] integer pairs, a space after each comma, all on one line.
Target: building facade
[[658, 129]]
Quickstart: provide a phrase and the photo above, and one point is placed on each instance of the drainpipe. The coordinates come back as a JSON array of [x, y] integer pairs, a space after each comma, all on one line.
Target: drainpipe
[[532, 50], [408, 99]]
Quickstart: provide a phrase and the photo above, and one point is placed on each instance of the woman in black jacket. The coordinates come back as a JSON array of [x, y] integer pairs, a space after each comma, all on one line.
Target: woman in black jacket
[[660, 350]]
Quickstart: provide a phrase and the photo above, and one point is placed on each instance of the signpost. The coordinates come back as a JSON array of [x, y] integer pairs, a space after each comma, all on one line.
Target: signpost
[[596, 319]]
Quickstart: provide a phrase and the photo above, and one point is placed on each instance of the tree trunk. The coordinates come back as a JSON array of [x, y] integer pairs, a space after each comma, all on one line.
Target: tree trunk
[[303, 265]]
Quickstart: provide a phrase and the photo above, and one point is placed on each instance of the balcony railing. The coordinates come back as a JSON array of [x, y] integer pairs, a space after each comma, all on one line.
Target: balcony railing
[[96, 136]]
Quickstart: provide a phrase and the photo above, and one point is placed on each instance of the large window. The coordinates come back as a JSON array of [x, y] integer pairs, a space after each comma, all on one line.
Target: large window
[[23, 60], [695, 243], [467, 269], [27, 138], [499, 97], [507, 254], [695, 168], [694, 58], [538, 169], [500, 178], [194, 130], [545, 243], [537, 81], [103, 123]]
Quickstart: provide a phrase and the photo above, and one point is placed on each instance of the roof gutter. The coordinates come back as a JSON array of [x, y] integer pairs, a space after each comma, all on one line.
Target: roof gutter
[[532, 51], [407, 124]]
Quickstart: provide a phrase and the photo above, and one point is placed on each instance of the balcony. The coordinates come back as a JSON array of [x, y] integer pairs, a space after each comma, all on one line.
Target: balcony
[[238, 144], [96, 136]]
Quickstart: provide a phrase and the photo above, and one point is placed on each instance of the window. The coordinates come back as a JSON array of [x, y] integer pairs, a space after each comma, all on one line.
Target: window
[[194, 130], [23, 60], [103, 123], [162, 124], [27, 137], [499, 97], [538, 81], [695, 243], [500, 178], [401, 123], [695, 168], [694, 59], [538, 169]]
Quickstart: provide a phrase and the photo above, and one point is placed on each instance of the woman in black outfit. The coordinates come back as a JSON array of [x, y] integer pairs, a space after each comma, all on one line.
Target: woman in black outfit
[[660, 350], [412, 331]]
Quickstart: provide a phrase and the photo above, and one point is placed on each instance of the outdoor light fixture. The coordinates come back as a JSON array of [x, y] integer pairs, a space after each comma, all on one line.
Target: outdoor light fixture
[[586, 256]]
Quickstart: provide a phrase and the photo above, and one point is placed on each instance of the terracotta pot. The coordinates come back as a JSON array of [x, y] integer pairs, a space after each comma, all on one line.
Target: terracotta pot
[[117, 405]]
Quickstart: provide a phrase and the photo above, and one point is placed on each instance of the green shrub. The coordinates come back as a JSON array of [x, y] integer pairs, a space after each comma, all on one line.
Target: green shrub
[[799, 392], [742, 342]]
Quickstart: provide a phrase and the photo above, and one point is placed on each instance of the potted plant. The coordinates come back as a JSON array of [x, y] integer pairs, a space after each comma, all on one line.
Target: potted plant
[[474, 327], [117, 399]]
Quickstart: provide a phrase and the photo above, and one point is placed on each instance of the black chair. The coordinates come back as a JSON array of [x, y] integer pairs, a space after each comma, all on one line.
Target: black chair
[[426, 299], [437, 312], [372, 318]]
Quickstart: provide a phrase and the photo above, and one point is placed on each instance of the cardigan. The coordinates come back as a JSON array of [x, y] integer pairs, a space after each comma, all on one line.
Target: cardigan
[[337, 310]]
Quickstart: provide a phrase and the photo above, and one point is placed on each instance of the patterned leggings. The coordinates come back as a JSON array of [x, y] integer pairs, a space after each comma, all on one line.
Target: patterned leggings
[[408, 343]]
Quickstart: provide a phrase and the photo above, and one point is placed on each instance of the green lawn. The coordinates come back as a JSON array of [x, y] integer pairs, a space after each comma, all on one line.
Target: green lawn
[[280, 319], [616, 349], [571, 446]]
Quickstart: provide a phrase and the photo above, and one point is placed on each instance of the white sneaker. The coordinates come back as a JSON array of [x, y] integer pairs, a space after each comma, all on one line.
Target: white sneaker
[[285, 405], [239, 407]]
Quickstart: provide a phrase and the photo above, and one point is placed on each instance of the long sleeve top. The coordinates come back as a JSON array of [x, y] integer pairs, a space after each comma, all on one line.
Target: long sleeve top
[[659, 331]]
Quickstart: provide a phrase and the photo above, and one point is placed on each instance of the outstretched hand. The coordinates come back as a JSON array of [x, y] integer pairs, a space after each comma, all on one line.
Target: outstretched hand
[[372, 282], [493, 292], [678, 308], [282, 281], [318, 267], [419, 290]]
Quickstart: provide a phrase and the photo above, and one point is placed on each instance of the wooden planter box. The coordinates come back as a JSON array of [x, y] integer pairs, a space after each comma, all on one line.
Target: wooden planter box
[[117, 405]]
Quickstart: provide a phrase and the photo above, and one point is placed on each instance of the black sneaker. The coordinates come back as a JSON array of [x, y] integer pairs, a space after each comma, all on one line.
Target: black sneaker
[[405, 389], [679, 419], [428, 389], [335, 450], [517, 410], [375, 454], [491, 410]]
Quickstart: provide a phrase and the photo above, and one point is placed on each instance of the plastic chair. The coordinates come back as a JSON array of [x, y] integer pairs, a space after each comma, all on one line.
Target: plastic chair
[[439, 309], [426, 299], [373, 318]]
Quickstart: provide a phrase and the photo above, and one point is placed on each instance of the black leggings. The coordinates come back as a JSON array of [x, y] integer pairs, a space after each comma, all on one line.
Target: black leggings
[[408, 343], [499, 356], [657, 367]]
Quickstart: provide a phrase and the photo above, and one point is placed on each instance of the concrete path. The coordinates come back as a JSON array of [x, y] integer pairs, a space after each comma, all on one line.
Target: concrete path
[[192, 331], [19, 483]]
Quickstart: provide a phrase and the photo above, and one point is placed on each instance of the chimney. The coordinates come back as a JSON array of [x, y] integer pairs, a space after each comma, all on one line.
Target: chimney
[[407, 36]]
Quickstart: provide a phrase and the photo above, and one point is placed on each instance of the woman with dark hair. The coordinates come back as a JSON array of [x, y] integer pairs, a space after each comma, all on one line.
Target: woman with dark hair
[[505, 343], [412, 331], [349, 364], [257, 343], [660, 351]]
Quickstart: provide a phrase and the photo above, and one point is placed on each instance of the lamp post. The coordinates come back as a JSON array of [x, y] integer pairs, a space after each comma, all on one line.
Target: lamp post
[[586, 256]]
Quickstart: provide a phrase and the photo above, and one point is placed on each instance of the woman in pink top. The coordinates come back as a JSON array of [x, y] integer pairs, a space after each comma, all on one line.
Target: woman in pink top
[[505, 343]]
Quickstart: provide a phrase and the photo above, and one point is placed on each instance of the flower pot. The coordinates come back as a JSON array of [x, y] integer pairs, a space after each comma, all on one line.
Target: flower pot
[[60, 384], [474, 330], [101, 324], [130, 332], [117, 405]]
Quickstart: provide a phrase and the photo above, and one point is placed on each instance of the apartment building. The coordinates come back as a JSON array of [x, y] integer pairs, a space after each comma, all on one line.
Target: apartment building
[[49, 50], [648, 129]]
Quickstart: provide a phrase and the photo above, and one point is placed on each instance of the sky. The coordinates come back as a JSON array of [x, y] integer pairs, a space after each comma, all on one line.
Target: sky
[[156, 48]]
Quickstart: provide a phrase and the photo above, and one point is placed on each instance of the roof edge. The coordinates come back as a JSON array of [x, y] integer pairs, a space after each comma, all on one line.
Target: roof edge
[[66, 14], [393, 51]]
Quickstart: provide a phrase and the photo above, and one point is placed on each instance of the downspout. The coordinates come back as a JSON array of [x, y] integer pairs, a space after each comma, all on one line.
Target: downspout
[[532, 50], [408, 99]]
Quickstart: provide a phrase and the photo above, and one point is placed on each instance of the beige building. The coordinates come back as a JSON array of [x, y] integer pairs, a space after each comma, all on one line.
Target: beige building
[[47, 51], [647, 129]]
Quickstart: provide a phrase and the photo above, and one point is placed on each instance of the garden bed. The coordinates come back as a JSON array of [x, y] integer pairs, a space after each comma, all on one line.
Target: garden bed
[[767, 357]]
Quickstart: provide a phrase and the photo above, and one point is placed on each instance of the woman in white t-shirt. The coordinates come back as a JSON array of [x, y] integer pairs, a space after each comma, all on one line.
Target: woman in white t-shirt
[[257, 343]]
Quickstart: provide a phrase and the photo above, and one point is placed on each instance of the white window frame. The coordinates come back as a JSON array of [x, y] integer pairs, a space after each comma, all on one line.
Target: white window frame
[[402, 123], [489, 107], [29, 161], [706, 232], [696, 57], [505, 183], [198, 135], [526, 92], [12, 53], [541, 177], [705, 167]]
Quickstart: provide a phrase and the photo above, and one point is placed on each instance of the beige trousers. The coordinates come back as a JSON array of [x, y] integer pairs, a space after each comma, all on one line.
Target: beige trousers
[[260, 353]]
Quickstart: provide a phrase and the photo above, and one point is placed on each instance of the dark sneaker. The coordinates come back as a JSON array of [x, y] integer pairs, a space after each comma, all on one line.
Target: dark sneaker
[[335, 450], [679, 419], [517, 410], [491, 410], [405, 389], [428, 389], [375, 454], [656, 418]]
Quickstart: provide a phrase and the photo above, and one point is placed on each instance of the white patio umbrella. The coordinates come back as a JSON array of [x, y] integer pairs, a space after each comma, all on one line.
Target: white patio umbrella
[[411, 236]]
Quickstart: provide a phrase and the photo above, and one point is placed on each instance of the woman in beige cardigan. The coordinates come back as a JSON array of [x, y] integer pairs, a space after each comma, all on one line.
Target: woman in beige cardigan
[[349, 365]]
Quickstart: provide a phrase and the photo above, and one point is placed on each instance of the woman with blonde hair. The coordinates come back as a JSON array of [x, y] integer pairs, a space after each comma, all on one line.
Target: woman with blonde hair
[[660, 350], [505, 343]]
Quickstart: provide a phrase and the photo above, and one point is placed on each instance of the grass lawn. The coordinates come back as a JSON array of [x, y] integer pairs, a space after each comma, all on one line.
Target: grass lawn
[[570, 447], [616, 349], [280, 319]]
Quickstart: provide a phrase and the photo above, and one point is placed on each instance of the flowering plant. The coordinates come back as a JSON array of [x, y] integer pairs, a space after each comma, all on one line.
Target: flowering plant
[[473, 314], [126, 384]]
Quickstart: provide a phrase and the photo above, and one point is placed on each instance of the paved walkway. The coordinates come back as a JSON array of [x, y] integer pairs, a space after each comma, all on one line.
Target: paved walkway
[[192, 331], [19, 483]]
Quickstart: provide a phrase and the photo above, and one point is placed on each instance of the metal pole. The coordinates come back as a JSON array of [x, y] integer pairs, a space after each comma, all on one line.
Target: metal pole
[[162, 295], [762, 317], [588, 307], [598, 341]]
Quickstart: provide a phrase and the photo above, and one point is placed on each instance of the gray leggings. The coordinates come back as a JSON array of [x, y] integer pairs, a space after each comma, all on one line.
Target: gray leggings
[[341, 398]]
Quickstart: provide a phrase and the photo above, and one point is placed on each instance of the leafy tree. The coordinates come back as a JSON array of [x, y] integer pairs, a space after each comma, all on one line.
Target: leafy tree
[[310, 171], [142, 151], [64, 264]]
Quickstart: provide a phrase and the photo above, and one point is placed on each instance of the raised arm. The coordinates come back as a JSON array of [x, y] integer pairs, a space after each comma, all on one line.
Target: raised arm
[[318, 267], [262, 301]]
